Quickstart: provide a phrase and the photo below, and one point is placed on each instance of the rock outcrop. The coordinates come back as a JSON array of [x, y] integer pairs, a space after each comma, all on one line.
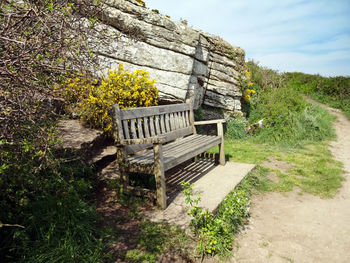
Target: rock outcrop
[[185, 62]]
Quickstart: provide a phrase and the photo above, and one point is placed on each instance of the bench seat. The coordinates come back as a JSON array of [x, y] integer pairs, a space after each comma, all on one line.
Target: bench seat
[[175, 152], [151, 140]]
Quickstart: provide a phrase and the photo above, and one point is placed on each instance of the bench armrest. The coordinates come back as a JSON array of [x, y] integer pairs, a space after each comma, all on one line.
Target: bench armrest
[[150, 140], [209, 122]]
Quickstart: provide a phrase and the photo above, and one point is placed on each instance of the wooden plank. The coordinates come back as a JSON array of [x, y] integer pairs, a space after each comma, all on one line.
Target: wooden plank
[[126, 129], [221, 145], [177, 120], [172, 162], [191, 116], [151, 125], [141, 112], [177, 134], [133, 129], [139, 128], [159, 175], [167, 123], [116, 117], [209, 122], [145, 126], [182, 120], [134, 148], [172, 122], [156, 120], [187, 119], [162, 123], [166, 148], [183, 151]]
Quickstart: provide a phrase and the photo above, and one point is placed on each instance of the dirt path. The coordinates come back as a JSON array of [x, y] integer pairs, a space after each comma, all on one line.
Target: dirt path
[[302, 228]]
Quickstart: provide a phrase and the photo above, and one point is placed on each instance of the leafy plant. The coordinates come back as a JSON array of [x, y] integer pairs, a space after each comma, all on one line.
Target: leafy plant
[[216, 232], [235, 129], [92, 99]]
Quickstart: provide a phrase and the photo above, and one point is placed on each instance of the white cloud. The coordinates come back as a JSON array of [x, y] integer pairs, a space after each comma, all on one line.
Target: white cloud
[[298, 35]]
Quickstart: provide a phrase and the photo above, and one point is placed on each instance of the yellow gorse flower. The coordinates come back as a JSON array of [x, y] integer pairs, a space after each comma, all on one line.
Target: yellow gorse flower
[[93, 99]]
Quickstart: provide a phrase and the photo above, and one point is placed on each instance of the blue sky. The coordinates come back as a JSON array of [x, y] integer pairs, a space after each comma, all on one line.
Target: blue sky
[[310, 36]]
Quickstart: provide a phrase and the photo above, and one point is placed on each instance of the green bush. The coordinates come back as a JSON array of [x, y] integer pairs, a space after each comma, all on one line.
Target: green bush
[[216, 232], [313, 124], [275, 105], [53, 207], [235, 129], [334, 91]]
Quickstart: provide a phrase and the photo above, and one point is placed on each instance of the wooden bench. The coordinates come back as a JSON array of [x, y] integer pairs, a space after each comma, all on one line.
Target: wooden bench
[[152, 140]]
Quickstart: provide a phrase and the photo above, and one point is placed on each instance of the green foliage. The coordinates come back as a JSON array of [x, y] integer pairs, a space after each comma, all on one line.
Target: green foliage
[[312, 124], [60, 225], [216, 232], [312, 167], [235, 129], [274, 105], [334, 91], [156, 239], [287, 117], [92, 99]]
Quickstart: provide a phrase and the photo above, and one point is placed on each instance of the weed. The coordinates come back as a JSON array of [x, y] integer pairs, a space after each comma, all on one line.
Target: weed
[[216, 232], [156, 239]]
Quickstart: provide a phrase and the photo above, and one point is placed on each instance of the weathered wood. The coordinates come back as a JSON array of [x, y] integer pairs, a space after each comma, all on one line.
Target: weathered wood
[[151, 125], [133, 129], [121, 156], [134, 148], [159, 176], [191, 116], [221, 145], [160, 138], [134, 113], [209, 122], [156, 120], [118, 130], [139, 128], [187, 119], [162, 124], [126, 129], [167, 121]]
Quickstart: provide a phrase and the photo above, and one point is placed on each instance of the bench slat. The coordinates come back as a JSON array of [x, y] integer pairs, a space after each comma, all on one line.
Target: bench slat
[[187, 119], [178, 152], [172, 122], [151, 125], [162, 124], [139, 128], [167, 126], [156, 120], [134, 113], [145, 126]]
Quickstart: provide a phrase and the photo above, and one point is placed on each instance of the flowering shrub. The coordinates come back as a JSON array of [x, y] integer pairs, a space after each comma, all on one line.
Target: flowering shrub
[[92, 99], [246, 85]]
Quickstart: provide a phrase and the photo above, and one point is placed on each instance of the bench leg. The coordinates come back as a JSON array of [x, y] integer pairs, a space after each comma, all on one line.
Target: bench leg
[[221, 154], [159, 175], [124, 176], [221, 145]]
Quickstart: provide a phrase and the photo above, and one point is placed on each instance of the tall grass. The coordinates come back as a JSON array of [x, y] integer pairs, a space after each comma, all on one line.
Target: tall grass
[[60, 224], [313, 124], [333, 91]]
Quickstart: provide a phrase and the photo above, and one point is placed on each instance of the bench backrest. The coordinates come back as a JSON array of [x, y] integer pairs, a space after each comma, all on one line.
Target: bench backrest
[[169, 121]]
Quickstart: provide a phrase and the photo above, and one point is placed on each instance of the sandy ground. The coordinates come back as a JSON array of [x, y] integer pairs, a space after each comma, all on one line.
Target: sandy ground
[[301, 228]]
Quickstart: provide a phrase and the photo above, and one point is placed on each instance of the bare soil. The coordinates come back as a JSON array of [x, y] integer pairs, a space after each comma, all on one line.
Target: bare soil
[[298, 228]]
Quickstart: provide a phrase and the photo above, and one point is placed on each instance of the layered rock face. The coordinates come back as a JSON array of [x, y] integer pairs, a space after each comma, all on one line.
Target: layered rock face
[[186, 63]]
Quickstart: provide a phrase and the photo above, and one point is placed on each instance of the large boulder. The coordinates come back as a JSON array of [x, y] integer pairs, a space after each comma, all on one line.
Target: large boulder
[[185, 62]]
